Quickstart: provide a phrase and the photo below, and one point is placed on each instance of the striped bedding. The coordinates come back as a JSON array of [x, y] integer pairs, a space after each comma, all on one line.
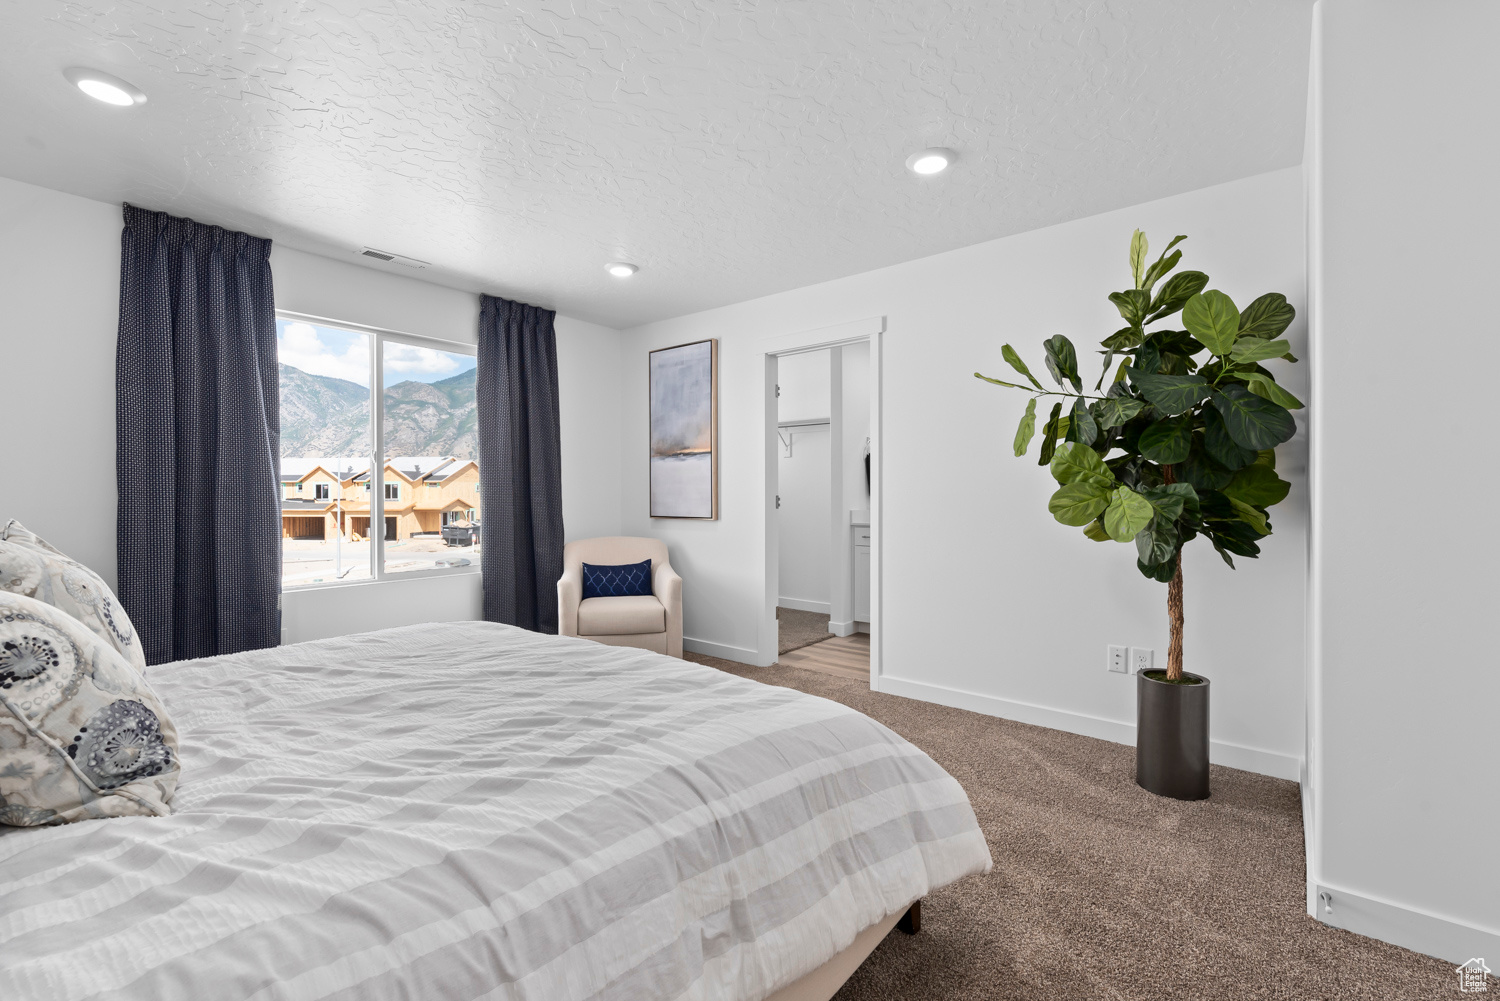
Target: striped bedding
[[469, 810]]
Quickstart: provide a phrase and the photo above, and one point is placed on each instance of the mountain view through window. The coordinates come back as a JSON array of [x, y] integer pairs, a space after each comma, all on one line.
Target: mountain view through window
[[429, 476]]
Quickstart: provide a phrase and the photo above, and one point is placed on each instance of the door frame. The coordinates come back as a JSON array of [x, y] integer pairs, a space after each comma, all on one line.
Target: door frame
[[870, 330]]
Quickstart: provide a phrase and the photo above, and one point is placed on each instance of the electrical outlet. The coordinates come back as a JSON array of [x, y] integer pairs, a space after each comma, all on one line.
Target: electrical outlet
[[1117, 659], [1141, 658]]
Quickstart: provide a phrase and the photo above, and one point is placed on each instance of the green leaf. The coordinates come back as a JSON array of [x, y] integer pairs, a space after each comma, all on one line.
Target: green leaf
[[1147, 359], [1212, 318], [1221, 447], [1258, 485], [1138, 248], [1062, 361], [1123, 339], [1127, 514], [1075, 462], [1049, 435], [1132, 304], [1163, 263], [1250, 516], [1027, 428], [1000, 382], [1254, 349], [1095, 530], [1178, 342], [1117, 410], [1167, 442], [1215, 506], [1177, 291], [1161, 267], [1171, 499], [1009, 354], [1171, 394], [1078, 503], [1239, 537], [1266, 388], [1267, 316], [1202, 472], [1266, 457], [1222, 552], [1082, 428], [1157, 542], [1163, 572], [1253, 422]]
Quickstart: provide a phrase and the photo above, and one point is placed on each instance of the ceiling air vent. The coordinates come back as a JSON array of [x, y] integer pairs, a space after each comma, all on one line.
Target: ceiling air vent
[[381, 255]]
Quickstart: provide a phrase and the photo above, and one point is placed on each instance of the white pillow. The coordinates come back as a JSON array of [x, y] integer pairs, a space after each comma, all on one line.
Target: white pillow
[[82, 735], [30, 566]]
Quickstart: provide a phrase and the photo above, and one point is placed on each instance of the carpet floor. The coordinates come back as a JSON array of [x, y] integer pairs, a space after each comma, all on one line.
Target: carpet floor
[[797, 629], [1103, 891]]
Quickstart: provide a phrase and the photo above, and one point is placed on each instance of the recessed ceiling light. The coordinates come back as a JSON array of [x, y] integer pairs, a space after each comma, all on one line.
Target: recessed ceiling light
[[105, 87], [930, 161], [621, 270]]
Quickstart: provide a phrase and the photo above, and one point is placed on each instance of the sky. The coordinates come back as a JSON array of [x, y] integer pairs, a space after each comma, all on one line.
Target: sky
[[345, 354]]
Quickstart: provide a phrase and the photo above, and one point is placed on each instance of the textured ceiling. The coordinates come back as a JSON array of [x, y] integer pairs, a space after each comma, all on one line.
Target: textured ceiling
[[731, 148]]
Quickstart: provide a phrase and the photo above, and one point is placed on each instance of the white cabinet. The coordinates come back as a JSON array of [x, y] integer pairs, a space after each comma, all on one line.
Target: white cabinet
[[861, 573]]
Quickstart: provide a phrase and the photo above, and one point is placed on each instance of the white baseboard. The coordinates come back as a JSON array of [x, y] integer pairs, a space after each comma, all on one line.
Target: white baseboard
[[1250, 759], [842, 628], [804, 605], [861, 626], [738, 654], [1408, 927]]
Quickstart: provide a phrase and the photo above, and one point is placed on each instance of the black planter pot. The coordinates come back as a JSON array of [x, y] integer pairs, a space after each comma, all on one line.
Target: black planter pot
[[1171, 737]]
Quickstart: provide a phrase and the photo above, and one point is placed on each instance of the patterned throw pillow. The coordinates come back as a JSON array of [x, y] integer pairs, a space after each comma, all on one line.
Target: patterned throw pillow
[[82, 735], [29, 566], [630, 580]]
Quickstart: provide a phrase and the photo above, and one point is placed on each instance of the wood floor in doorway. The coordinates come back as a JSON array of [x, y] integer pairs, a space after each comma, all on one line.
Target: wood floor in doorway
[[839, 656]]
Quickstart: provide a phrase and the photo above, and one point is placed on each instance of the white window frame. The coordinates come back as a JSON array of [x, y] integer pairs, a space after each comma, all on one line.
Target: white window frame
[[379, 336]]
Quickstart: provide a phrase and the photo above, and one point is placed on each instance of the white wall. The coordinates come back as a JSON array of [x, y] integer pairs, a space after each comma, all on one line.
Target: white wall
[[59, 315], [989, 603], [804, 483], [1403, 728], [59, 282]]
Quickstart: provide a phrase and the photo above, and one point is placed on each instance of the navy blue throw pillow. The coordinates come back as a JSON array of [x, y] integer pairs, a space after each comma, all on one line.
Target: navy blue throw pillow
[[630, 580]]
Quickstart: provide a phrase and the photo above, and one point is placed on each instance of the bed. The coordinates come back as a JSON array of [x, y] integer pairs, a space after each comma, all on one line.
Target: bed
[[469, 810]]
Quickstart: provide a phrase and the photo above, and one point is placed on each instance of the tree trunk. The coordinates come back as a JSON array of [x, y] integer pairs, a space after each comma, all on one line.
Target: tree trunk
[[1174, 604], [1174, 616]]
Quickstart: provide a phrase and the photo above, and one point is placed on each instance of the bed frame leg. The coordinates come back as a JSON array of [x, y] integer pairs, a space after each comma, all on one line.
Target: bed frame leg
[[911, 921]]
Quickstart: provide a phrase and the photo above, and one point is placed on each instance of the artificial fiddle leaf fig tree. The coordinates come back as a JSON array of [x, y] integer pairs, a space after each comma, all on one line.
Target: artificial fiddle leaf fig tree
[[1180, 444]]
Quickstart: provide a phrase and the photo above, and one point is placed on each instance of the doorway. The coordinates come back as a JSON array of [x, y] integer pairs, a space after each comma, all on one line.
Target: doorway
[[822, 476]]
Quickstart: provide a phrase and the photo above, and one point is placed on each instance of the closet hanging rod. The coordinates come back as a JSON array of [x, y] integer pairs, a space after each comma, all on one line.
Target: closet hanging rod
[[810, 423]]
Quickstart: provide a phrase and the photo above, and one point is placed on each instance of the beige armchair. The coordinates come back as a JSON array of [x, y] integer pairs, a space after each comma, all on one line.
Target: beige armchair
[[652, 622]]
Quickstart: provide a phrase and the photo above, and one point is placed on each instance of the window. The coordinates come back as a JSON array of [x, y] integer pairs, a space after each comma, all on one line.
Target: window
[[364, 402], [429, 423]]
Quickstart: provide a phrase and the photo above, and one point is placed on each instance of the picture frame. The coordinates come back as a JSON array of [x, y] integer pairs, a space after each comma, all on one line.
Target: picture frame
[[683, 389]]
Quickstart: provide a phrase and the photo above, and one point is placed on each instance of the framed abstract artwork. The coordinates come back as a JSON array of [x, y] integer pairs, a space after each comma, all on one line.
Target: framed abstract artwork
[[684, 389]]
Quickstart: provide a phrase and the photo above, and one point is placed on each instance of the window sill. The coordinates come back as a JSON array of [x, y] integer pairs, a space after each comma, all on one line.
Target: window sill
[[472, 571]]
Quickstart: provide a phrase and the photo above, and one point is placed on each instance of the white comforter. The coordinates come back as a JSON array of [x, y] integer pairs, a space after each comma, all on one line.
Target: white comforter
[[474, 811]]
